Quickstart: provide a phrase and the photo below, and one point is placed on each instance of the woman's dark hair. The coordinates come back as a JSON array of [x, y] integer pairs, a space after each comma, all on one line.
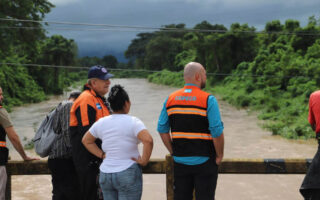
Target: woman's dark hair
[[117, 98]]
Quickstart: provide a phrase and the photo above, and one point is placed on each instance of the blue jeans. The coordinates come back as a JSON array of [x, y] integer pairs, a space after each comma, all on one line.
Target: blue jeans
[[124, 185]]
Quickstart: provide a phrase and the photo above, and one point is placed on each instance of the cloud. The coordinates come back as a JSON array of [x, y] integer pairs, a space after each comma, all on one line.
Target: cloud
[[63, 2], [154, 13]]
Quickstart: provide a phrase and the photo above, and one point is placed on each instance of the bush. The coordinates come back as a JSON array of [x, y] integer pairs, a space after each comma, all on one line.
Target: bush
[[165, 77]]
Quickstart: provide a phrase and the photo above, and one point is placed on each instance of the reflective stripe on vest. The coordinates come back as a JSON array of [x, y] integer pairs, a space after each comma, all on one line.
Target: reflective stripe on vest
[[3, 144], [192, 111], [202, 136]]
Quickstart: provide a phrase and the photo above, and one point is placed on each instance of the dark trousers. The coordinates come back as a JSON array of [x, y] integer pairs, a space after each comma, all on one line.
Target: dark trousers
[[89, 182], [311, 194], [310, 188], [201, 178], [64, 179]]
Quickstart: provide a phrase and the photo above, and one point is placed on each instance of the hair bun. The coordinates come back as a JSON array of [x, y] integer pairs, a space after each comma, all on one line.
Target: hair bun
[[114, 91]]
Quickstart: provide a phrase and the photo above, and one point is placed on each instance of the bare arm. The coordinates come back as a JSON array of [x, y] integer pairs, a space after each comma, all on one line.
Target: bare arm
[[167, 141], [219, 147], [147, 141], [89, 142], [15, 140]]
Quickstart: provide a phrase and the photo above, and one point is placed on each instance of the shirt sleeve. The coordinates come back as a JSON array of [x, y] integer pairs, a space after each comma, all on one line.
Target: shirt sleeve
[[138, 126], [311, 117], [215, 123], [163, 122], [56, 120], [94, 130], [5, 120]]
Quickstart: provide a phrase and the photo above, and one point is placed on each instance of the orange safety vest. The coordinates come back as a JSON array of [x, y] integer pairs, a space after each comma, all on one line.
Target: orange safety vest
[[2, 136], [187, 111], [3, 144], [87, 97], [4, 152], [83, 107]]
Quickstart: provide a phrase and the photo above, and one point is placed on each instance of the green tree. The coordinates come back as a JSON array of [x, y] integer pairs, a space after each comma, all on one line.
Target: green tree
[[199, 42], [172, 31], [223, 52], [291, 25], [89, 61], [110, 61], [21, 35], [204, 25], [137, 49], [17, 84], [305, 37], [22, 39], [161, 52], [57, 51], [272, 29], [184, 58]]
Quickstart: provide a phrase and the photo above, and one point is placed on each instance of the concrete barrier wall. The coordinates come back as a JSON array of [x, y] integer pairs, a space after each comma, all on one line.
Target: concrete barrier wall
[[165, 166]]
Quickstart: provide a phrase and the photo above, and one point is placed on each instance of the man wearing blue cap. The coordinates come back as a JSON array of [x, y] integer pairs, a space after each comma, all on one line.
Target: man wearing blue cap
[[89, 107]]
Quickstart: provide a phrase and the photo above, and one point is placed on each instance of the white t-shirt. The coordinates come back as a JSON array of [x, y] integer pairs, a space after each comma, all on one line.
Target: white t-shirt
[[118, 133]]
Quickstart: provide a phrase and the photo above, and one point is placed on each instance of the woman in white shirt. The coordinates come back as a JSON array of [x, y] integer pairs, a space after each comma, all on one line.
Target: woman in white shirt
[[120, 172]]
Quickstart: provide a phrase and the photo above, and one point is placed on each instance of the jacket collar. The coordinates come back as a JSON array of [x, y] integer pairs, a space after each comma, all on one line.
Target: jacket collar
[[87, 87]]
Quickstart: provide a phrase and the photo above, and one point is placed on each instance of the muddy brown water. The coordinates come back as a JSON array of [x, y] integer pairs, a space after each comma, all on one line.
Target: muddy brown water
[[244, 138]]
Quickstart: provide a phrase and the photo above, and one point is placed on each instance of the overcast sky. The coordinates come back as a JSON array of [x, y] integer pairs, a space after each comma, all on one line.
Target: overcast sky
[[155, 13]]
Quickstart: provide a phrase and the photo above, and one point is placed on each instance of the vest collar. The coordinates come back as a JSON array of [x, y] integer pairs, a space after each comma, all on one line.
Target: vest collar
[[190, 85]]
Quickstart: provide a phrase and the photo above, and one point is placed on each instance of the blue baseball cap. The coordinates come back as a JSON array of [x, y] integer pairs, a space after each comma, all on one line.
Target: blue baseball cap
[[99, 72]]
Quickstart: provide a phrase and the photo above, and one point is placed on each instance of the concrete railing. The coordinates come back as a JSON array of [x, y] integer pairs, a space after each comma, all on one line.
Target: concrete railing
[[161, 166]]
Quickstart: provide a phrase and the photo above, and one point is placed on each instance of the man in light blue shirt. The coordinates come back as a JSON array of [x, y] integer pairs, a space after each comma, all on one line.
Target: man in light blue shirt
[[196, 140]]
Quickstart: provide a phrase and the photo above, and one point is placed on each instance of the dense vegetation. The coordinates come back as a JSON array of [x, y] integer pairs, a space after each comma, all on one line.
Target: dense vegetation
[[273, 71], [26, 52]]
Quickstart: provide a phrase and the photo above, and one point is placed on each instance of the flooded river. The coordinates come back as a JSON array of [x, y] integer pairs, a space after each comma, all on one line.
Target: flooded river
[[244, 138]]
